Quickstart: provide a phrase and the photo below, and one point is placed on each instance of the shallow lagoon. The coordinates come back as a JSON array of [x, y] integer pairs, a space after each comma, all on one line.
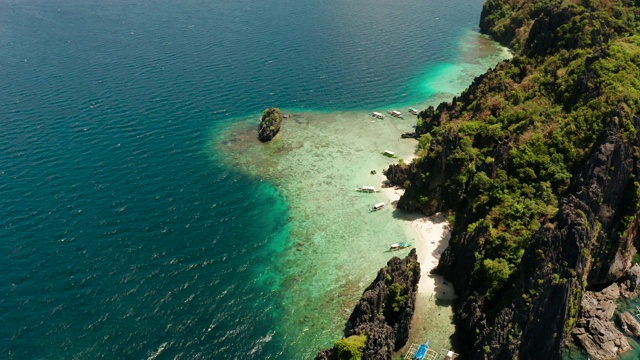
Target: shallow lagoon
[[336, 243]]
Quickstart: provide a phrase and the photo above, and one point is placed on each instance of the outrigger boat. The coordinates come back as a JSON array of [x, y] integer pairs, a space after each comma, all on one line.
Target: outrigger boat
[[399, 246], [377, 115], [395, 113], [413, 111], [377, 206], [367, 189], [422, 351]]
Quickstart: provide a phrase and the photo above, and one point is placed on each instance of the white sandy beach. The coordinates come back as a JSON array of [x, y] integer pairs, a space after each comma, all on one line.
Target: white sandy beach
[[433, 238], [433, 316]]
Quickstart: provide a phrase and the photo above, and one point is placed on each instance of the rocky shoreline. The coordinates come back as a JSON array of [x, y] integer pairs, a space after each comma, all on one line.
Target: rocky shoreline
[[380, 322], [595, 331]]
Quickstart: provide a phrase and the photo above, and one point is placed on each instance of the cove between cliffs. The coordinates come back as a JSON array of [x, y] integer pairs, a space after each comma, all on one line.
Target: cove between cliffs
[[334, 244]]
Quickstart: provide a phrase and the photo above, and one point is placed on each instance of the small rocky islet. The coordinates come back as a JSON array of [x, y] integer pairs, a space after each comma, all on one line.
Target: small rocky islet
[[270, 123]]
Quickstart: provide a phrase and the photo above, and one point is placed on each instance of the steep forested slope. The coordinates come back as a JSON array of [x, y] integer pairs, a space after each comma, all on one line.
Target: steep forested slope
[[539, 160]]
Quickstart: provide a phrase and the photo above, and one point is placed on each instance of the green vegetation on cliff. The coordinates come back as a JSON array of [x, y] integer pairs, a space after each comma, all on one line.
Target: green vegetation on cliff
[[350, 348], [508, 153], [540, 115], [270, 123]]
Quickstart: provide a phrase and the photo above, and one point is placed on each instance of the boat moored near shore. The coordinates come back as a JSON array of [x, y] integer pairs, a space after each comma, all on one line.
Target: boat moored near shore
[[399, 246], [367, 189], [377, 206], [413, 111], [395, 113], [377, 115], [389, 153], [424, 352]]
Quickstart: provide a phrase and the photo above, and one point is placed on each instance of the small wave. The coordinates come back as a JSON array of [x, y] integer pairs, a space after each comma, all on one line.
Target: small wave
[[157, 352], [261, 342]]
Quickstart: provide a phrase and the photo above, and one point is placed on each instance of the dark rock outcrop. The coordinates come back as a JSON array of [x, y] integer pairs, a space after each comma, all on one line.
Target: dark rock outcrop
[[428, 194], [270, 123], [398, 174], [385, 310]]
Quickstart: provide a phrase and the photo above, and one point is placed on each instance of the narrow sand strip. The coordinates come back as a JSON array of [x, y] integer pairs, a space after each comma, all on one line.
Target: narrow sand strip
[[433, 238]]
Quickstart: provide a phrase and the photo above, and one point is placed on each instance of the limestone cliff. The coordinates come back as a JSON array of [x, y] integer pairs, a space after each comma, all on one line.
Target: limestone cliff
[[584, 245]]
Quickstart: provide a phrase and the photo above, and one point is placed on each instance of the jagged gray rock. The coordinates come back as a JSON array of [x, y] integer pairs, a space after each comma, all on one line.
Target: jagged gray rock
[[385, 310], [594, 330], [602, 340], [629, 324]]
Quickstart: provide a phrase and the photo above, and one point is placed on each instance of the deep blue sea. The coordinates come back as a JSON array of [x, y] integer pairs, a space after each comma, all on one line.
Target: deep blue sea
[[121, 234]]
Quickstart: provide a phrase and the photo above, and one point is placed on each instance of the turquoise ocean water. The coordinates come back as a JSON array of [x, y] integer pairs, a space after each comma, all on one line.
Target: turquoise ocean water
[[122, 234]]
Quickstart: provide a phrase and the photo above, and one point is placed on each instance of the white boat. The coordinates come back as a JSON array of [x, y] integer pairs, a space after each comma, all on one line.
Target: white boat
[[377, 115], [389, 153], [413, 111], [399, 246], [367, 189], [395, 113], [378, 206], [450, 355]]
